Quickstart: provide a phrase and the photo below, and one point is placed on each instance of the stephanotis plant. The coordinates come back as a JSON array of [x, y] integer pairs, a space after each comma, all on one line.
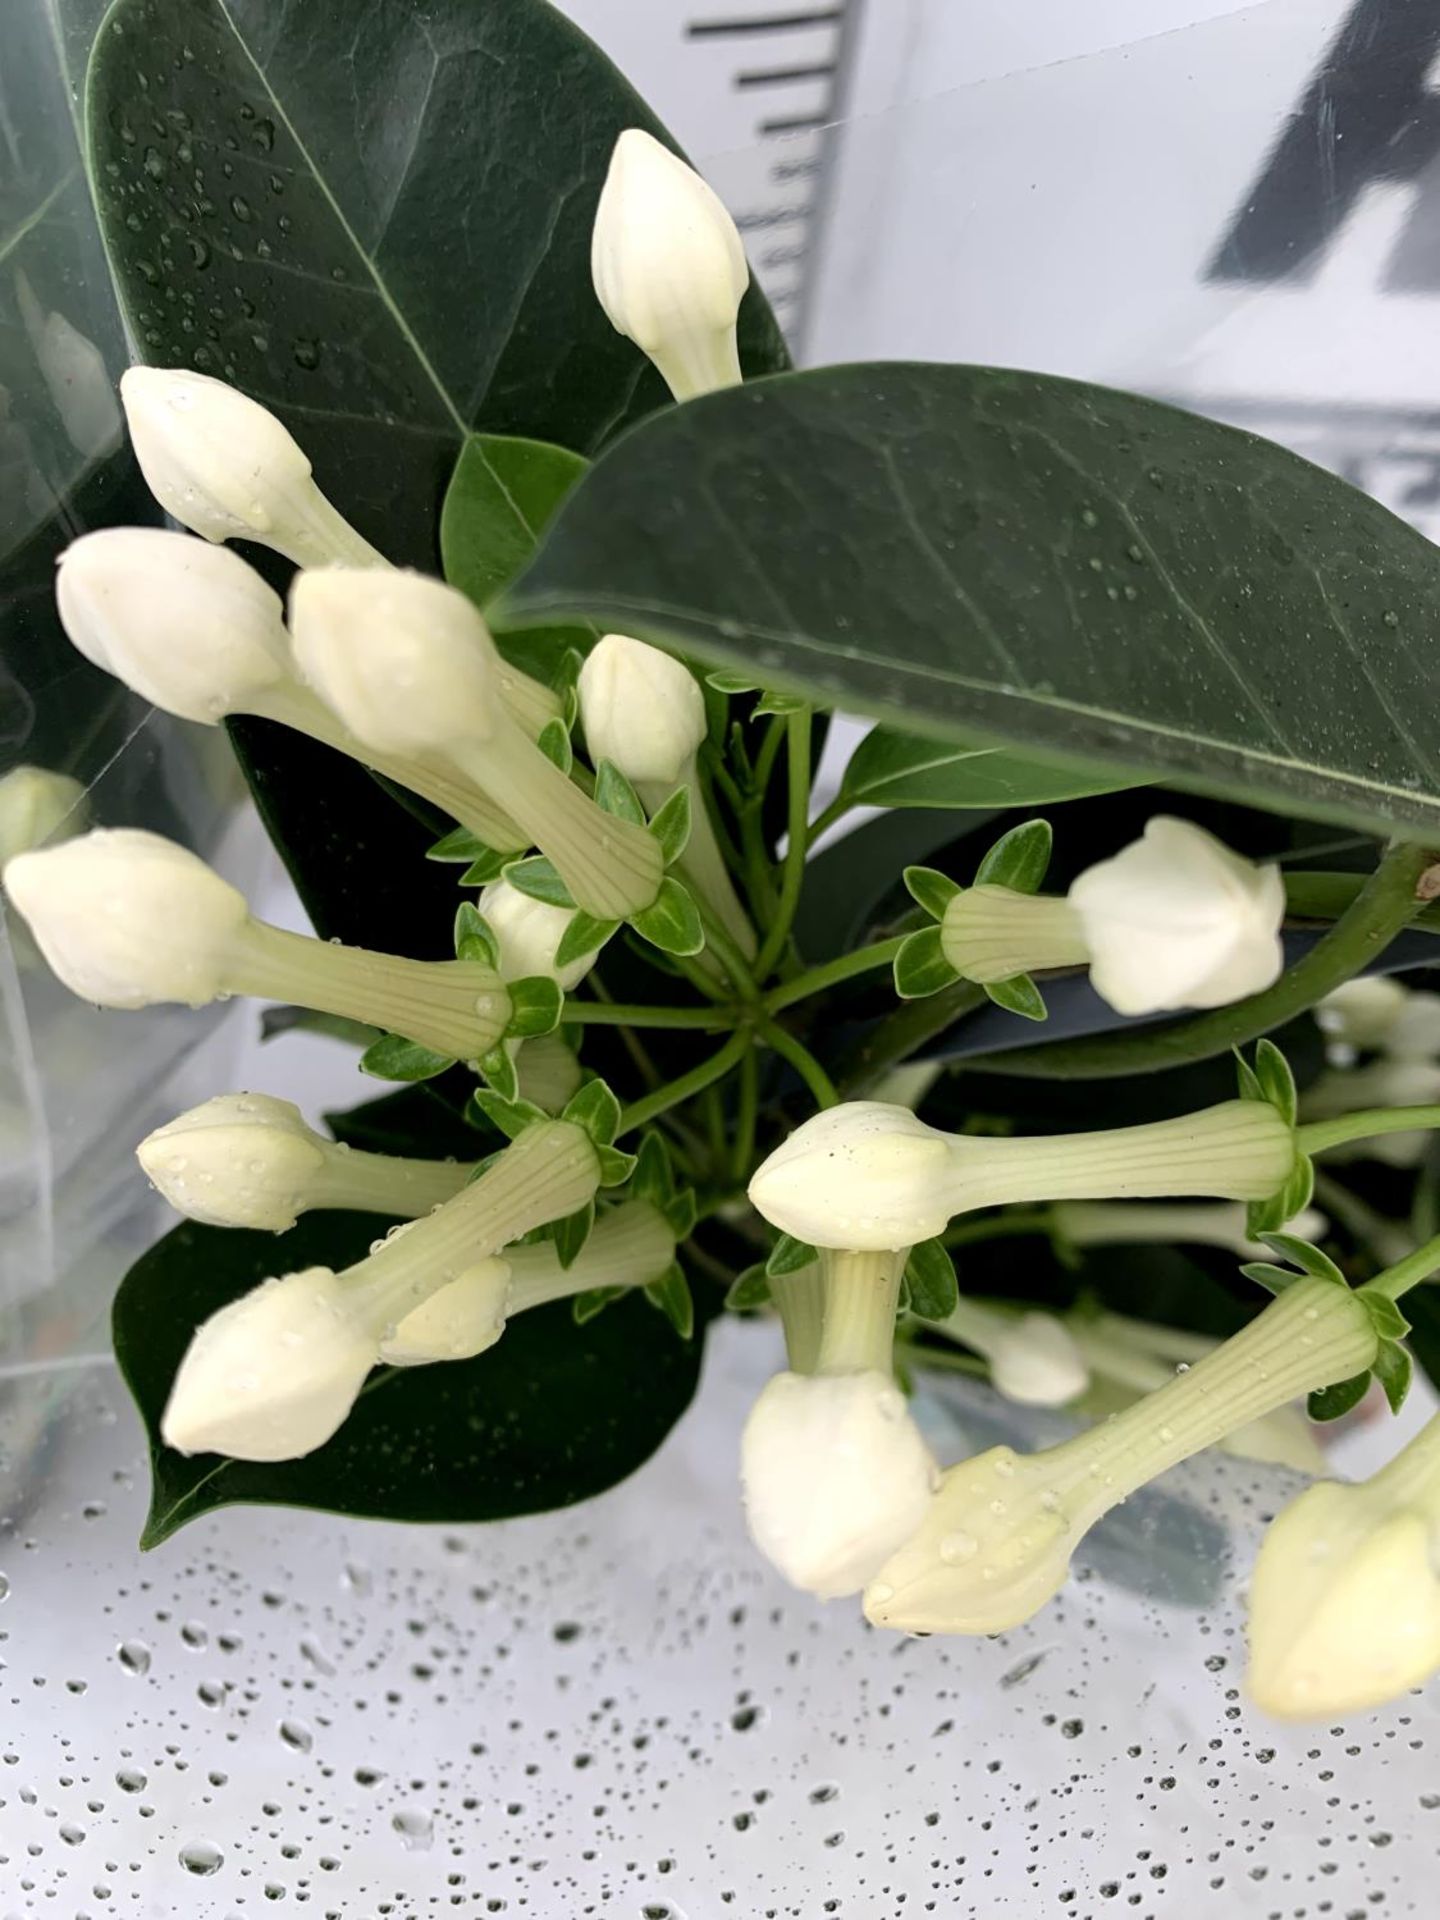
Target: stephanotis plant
[[526, 577]]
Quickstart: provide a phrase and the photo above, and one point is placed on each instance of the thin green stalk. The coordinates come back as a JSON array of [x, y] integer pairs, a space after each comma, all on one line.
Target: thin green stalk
[[826, 818], [678, 1091], [1326, 896], [726, 950], [595, 1013], [803, 1061], [793, 876], [758, 887], [743, 1153], [1318, 1135], [1406, 1273], [767, 756], [903, 1032], [1385, 905], [863, 960]]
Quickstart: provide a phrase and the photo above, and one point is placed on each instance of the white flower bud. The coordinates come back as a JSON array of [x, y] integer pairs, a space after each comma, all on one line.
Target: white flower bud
[[669, 265], [1415, 1032], [528, 934], [248, 1160], [1361, 1012], [1032, 1357], [862, 1175], [406, 662], [224, 466], [273, 1375], [835, 1477], [38, 808], [995, 1545], [642, 711], [867, 1175], [190, 627], [465, 1318], [1177, 920], [128, 918], [1345, 1596]]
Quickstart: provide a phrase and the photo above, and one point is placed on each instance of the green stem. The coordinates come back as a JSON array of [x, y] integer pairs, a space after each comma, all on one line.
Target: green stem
[[726, 950], [744, 1149], [803, 1061], [793, 877], [593, 1013], [1317, 1135], [1385, 906], [715, 1068], [824, 820], [1406, 1273], [864, 960], [767, 756], [1327, 896], [901, 1033]]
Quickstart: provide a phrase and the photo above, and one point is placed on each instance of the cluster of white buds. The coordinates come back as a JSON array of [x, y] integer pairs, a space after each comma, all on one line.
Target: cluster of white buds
[[868, 1175], [410, 667], [273, 1375], [997, 1541], [1175, 920], [669, 266], [643, 711], [196, 631], [1345, 1595], [128, 919], [835, 1472], [250, 1160]]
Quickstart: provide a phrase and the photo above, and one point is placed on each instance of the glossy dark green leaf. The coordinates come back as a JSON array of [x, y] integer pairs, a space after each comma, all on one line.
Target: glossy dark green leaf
[[463, 1441], [788, 1255], [419, 1120], [1018, 995], [930, 889], [673, 923], [749, 1291], [920, 967], [1394, 1370], [1019, 859], [393, 1057], [930, 1274], [671, 1295], [1329, 1403], [894, 769], [971, 551], [377, 222]]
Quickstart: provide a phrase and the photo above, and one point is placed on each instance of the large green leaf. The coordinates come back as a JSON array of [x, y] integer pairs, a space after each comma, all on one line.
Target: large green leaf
[[894, 769], [555, 1413], [1019, 557], [503, 494], [377, 221]]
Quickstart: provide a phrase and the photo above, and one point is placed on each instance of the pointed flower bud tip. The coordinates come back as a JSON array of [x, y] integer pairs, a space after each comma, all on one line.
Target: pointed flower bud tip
[[643, 711], [862, 1175], [405, 661], [528, 934], [239, 1160], [273, 1375], [669, 265], [38, 807], [1177, 920], [835, 1477], [128, 918], [189, 627], [1344, 1601]]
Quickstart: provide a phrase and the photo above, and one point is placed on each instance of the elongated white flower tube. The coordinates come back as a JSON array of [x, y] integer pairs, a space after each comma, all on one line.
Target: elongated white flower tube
[[629, 1246], [196, 631], [38, 808], [669, 266], [273, 1375], [865, 1174], [996, 1544], [128, 919], [410, 667], [834, 1470], [1032, 1356], [643, 711], [1177, 920], [224, 466], [1345, 1596], [250, 1160], [1217, 1223]]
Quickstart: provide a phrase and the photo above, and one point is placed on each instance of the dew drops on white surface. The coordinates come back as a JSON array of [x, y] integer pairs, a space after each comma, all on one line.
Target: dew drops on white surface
[[619, 1713]]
